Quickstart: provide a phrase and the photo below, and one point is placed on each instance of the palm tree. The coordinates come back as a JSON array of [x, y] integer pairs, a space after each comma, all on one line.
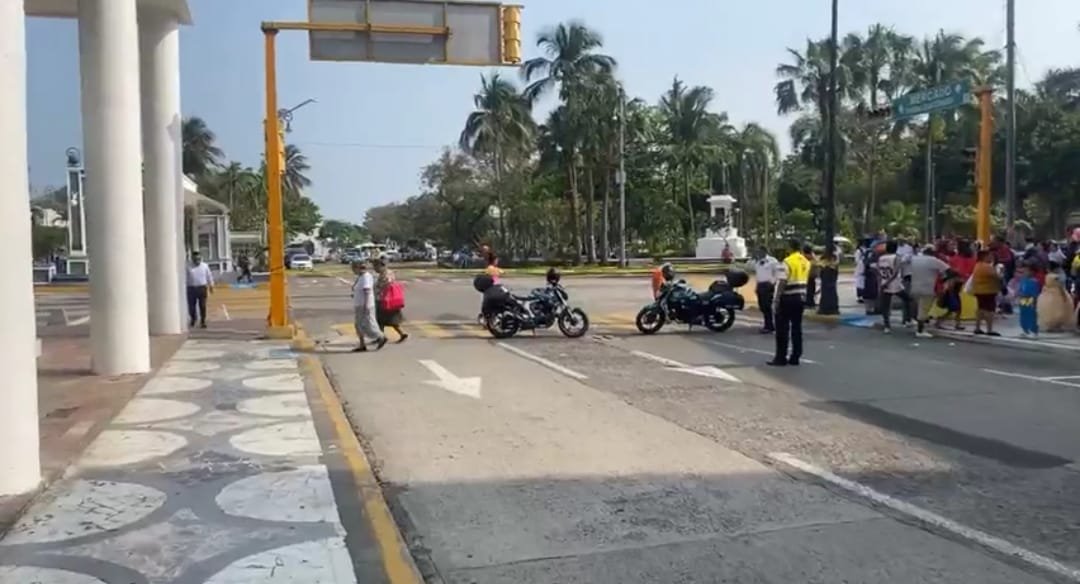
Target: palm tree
[[558, 140], [295, 179], [878, 63], [692, 134], [500, 126], [599, 131], [201, 153], [569, 60], [758, 154]]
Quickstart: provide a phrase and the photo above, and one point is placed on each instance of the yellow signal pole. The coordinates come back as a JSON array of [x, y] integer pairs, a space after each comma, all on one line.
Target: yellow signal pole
[[275, 236], [984, 163]]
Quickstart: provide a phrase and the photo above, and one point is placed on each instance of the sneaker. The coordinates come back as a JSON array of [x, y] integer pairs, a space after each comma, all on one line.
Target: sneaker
[[909, 324], [887, 330], [1025, 335], [924, 335]]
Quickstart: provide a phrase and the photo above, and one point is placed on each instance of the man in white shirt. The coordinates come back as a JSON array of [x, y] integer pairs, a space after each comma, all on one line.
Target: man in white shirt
[[363, 293], [764, 268], [890, 272], [200, 281]]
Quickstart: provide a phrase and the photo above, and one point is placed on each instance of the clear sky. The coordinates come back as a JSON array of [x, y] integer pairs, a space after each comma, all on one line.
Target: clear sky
[[375, 126]]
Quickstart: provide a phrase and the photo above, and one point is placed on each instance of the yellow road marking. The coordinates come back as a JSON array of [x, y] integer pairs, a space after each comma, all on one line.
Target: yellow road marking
[[396, 560]]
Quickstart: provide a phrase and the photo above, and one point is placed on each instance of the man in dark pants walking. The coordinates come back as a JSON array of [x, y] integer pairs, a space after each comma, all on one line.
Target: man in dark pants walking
[[765, 267], [200, 281], [792, 275]]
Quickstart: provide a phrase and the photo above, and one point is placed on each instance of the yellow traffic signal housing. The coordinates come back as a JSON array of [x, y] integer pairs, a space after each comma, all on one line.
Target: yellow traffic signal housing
[[511, 34]]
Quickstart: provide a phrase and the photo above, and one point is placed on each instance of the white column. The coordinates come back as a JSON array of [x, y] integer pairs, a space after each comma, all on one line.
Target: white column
[[20, 469], [159, 54], [109, 63]]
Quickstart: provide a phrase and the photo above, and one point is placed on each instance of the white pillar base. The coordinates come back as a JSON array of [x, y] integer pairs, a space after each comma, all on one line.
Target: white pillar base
[[20, 465], [109, 63]]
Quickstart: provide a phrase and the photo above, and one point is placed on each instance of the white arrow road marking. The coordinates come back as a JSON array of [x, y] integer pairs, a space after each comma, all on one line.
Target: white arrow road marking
[[701, 371], [467, 386]]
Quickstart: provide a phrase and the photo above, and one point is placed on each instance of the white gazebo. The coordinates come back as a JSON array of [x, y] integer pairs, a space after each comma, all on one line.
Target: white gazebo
[[207, 228], [129, 73]]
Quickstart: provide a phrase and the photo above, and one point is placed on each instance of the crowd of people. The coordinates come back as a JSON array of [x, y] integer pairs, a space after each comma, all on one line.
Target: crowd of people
[[1039, 282]]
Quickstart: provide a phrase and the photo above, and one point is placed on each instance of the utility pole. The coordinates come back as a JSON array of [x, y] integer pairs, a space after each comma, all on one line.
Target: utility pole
[[928, 229], [830, 301], [1010, 118], [622, 178]]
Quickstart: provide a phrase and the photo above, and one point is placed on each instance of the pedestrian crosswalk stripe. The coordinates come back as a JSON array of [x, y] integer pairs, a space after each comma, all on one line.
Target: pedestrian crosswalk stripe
[[613, 323]]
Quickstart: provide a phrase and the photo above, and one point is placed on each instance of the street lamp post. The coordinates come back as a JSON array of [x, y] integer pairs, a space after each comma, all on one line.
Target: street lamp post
[[830, 302]]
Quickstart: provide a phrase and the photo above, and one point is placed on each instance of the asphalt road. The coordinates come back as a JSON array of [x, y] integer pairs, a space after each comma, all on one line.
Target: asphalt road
[[681, 458]]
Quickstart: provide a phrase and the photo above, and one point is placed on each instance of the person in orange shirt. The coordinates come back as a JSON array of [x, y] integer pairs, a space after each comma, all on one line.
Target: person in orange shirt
[[493, 268]]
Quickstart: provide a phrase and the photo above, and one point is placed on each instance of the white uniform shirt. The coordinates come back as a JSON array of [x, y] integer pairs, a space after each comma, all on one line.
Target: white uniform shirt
[[200, 275], [363, 291], [765, 270]]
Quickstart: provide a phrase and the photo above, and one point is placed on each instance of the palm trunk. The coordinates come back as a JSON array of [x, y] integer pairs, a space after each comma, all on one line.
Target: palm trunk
[[765, 204], [605, 226], [575, 219], [689, 207], [590, 216], [499, 195]]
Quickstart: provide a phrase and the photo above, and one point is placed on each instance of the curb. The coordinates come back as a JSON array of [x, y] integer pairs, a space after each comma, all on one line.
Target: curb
[[397, 561], [830, 319], [1022, 344]]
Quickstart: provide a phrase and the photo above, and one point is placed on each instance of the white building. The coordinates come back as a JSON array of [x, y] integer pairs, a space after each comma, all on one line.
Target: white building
[[130, 92]]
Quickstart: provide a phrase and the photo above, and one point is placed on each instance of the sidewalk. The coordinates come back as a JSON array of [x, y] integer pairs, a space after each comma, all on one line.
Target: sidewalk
[[223, 469], [74, 405]]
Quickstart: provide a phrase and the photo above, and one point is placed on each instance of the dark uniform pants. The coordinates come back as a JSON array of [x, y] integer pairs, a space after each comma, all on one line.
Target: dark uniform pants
[[789, 327], [765, 291], [196, 302]]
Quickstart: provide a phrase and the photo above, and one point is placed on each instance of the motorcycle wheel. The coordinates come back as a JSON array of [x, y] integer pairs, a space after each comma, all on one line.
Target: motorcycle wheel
[[649, 320], [502, 325], [574, 323], [720, 320]]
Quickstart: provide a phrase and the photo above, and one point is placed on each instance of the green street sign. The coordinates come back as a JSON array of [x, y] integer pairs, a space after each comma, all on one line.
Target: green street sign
[[942, 97]]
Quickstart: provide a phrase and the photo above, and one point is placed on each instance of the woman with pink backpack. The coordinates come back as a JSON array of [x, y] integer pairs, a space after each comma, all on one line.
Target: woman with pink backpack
[[390, 300]]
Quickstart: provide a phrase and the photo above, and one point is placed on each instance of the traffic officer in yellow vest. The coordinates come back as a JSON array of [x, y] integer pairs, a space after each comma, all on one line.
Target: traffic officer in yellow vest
[[792, 275]]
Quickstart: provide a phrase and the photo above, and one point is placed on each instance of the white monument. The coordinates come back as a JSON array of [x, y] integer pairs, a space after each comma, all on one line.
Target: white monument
[[725, 235]]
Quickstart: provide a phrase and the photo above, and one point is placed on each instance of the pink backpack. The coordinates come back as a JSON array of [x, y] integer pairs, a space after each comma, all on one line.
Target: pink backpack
[[394, 297]]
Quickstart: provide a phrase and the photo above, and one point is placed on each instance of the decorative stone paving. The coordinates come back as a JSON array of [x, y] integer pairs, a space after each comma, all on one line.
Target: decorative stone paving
[[210, 475]]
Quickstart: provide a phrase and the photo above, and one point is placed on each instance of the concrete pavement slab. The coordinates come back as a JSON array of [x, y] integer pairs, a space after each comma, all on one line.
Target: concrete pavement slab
[[223, 470], [543, 478], [879, 550]]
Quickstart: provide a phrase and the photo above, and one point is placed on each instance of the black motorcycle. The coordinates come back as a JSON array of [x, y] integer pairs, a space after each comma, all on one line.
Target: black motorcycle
[[505, 314], [714, 309]]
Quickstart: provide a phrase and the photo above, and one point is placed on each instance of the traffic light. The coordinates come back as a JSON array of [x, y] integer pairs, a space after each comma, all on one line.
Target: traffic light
[[511, 34], [971, 164]]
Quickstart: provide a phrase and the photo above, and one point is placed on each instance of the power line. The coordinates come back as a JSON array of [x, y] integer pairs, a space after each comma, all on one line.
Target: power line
[[375, 146]]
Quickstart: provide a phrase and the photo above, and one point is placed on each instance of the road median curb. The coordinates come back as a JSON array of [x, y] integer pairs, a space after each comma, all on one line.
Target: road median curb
[[832, 319], [397, 561], [1012, 343]]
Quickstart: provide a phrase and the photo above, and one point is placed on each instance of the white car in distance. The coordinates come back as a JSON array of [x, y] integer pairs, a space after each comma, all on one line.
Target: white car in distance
[[302, 261]]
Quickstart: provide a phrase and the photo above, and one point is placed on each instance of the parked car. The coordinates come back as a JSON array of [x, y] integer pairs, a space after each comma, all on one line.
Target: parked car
[[302, 261]]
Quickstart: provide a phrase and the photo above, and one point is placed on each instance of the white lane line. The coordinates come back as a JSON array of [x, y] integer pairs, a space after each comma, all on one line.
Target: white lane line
[[79, 321], [537, 359], [1062, 377], [1050, 380], [700, 370], [344, 281], [982, 538], [752, 350], [225, 311], [659, 359]]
